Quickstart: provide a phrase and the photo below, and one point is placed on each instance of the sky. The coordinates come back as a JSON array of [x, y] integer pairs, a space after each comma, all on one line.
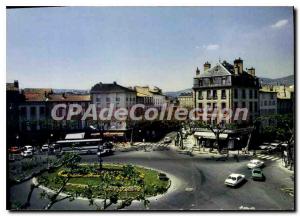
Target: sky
[[77, 47]]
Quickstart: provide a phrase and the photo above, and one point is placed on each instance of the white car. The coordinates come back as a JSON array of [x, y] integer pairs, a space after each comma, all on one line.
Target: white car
[[234, 179], [28, 148], [26, 153], [167, 140], [45, 147], [255, 164]]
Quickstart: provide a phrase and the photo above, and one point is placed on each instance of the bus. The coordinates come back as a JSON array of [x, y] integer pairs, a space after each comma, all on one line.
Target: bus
[[84, 146]]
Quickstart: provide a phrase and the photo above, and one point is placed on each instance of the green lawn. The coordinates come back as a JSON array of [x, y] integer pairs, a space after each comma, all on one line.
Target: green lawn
[[114, 181]]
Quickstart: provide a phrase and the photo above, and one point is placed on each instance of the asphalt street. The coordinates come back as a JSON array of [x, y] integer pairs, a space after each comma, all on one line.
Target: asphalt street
[[199, 183]]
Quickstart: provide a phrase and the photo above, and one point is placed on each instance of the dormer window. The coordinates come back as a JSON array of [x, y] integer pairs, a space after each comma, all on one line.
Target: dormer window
[[223, 80]]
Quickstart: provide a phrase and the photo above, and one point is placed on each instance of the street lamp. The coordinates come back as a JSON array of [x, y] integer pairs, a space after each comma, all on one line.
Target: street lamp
[[100, 149], [17, 138]]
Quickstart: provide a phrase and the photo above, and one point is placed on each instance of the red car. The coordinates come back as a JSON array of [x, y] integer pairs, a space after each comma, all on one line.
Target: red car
[[14, 150]]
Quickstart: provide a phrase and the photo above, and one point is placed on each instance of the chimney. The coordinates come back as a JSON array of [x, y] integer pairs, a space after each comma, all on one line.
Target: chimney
[[206, 66], [238, 66], [251, 71], [115, 83], [197, 71], [16, 84]]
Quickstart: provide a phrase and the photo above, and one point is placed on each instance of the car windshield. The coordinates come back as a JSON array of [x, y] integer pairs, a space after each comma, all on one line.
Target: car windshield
[[232, 178], [256, 171]]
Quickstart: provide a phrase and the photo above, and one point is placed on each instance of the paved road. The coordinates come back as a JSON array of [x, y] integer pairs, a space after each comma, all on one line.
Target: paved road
[[199, 182]]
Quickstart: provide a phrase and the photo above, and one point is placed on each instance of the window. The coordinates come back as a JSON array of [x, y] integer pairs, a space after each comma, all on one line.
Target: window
[[243, 104], [223, 94], [215, 105], [211, 81], [243, 93], [98, 99], [255, 94], [23, 111], [32, 111], [273, 102], [250, 106], [250, 93], [223, 105], [215, 94], [270, 103], [200, 97], [266, 103], [223, 80], [208, 105], [107, 99], [236, 93], [236, 105], [255, 106], [117, 99], [208, 94], [42, 110], [200, 82], [200, 105]]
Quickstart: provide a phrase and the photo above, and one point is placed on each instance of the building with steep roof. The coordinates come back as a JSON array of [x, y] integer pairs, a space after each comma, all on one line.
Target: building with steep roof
[[226, 86], [105, 95]]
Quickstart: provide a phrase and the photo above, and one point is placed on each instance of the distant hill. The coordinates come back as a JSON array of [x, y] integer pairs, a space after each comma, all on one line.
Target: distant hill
[[287, 80], [73, 91], [177, 93]]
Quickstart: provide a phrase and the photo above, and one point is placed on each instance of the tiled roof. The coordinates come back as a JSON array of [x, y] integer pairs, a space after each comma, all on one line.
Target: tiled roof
[[109, 87], [43, 96], [69, 98]]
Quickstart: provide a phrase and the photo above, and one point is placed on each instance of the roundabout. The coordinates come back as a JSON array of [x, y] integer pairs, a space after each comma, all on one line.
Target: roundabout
[[113, 181]]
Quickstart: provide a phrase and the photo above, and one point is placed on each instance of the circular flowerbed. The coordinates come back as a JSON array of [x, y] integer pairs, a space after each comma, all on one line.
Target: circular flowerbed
[[123, 180]]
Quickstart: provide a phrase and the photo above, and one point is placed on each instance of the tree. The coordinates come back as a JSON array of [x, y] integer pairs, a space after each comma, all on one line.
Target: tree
[[70, 160], [217, 130]]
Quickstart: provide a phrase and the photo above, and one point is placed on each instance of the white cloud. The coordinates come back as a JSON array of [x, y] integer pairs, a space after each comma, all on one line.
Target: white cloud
[[280, 24], [211, 46]]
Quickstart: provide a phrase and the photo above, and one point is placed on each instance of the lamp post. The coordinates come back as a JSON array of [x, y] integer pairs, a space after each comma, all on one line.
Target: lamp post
[[100, 149], [17, 138]]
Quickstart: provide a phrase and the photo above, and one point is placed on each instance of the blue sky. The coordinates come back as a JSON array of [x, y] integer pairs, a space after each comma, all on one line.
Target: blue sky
[[76, 47]]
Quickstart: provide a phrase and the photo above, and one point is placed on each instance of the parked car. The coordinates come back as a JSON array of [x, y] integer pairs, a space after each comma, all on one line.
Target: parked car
[[167, 140], [234, 179], [45, 148], [255, 164], [163, 177], [257, 174], [14, 150], [28, 148], [26, 153]]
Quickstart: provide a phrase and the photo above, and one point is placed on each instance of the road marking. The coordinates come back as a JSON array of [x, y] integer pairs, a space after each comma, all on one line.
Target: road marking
[[263, 156]]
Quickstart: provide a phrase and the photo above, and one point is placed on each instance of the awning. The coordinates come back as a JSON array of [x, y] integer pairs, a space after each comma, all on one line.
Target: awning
[[210, 135], [75, 136]]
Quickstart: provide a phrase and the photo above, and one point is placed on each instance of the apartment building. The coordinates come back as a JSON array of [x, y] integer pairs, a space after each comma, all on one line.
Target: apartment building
[[226, 86], [186, 100]]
